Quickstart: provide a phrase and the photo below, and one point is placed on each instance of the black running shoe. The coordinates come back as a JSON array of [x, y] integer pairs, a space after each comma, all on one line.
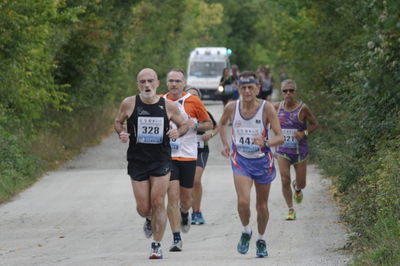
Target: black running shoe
[[148, 232], [185, 222]]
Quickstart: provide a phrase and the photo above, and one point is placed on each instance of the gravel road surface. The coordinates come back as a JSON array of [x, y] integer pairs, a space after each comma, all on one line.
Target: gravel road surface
[[84, 214]]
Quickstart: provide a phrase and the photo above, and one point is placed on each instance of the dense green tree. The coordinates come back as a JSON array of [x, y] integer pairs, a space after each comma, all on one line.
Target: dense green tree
[[64, 62]]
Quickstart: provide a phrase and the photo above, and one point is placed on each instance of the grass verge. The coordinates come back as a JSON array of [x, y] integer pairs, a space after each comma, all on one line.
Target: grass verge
[[22, 165]]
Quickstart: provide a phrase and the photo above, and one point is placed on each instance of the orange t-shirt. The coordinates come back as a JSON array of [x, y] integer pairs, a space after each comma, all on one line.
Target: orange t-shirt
[[195, 108]]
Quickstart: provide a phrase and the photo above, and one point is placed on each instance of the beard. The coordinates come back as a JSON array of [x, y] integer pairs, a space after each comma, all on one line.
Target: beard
[[148, 95]]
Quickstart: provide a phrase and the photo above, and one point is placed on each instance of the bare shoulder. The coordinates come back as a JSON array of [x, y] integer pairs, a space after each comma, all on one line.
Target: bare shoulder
[[128, 101], [171, 107], [305, 109], [269, 107], [230, 106], [228, 112], [269, 113], [126, 108], [170, 104]]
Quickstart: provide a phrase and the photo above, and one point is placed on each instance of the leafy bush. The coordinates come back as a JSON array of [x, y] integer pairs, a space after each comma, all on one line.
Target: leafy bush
[[18, 168], [382, 246], [66, 63], [27, 87], [376, 194], [345, 58]]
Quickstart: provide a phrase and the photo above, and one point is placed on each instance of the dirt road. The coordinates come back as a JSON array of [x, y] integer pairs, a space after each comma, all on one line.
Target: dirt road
[[84, 214]]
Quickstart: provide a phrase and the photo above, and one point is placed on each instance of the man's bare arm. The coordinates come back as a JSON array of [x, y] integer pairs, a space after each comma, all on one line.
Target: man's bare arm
[[312, 123], [226, 115], [273, 120], [307, 116], [205, 125], [122, 115], [175, 116]]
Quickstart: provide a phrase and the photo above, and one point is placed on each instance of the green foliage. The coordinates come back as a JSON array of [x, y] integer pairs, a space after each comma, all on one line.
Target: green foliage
[[383, 245], [377, 192], [65, 62], [95, 59], [344, 56], [26, 83], [165, 32], [17, 168], [200, 25], [42, 45]]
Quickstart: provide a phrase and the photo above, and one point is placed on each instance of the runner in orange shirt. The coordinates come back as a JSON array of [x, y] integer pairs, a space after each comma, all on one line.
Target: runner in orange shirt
[[184, 155]]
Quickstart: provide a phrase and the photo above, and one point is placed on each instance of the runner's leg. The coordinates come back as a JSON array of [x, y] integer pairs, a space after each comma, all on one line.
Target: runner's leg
[[262, 195], [159, 186], [141, 191], [174, 215], [301, 172], [284, 169], [197, 189], [243, 186]]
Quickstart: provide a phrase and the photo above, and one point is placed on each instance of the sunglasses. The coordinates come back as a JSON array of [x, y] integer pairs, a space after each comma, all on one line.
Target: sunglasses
[[289, 90]]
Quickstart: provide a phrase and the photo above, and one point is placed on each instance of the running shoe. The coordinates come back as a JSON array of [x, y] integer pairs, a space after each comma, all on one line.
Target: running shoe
[[261, 249], [200, 218], [291, 216], [185, 222], [243, 245], [156, 252], [148, 232], [298, 195], [194, 217], [176, 245]]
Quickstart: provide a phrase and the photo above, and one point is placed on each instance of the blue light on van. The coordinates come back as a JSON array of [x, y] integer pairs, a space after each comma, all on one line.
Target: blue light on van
[[228, 51]]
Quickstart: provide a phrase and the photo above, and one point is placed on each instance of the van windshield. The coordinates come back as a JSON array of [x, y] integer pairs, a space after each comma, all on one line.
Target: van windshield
[[206, 69]]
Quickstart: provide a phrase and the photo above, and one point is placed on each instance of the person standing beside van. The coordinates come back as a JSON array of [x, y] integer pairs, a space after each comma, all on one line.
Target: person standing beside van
[[227, 83], [235, 84], [266, 82]]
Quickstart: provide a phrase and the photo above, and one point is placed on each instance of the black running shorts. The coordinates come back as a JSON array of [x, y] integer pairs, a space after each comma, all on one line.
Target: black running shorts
[[140, 171], [183, 171], [202, 158]]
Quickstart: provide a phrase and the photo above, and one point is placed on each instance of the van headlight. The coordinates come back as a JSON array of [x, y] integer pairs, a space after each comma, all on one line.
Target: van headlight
[[220, 89]]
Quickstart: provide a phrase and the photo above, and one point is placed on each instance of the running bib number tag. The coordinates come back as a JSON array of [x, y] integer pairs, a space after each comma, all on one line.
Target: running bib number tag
[[290, 140], [200, 142], [174, 143], [244, 139], [150, 130]]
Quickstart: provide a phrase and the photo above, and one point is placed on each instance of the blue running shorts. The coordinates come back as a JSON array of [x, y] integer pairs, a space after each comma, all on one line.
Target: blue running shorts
[[261, 170]]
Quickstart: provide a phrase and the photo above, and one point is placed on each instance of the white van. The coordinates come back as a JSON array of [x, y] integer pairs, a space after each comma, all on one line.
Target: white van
[[205, 68]]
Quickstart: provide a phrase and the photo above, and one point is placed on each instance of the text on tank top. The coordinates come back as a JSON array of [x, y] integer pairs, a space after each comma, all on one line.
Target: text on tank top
[[245, 129], [148, 125], [186, 145], [290, 124]]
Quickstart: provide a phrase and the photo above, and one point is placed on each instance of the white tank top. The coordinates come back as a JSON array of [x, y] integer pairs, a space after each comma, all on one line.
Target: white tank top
[[244, 130], [186, 145]]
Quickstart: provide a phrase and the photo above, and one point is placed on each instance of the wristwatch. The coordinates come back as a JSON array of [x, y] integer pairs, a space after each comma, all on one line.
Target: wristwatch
[[305, 132]]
